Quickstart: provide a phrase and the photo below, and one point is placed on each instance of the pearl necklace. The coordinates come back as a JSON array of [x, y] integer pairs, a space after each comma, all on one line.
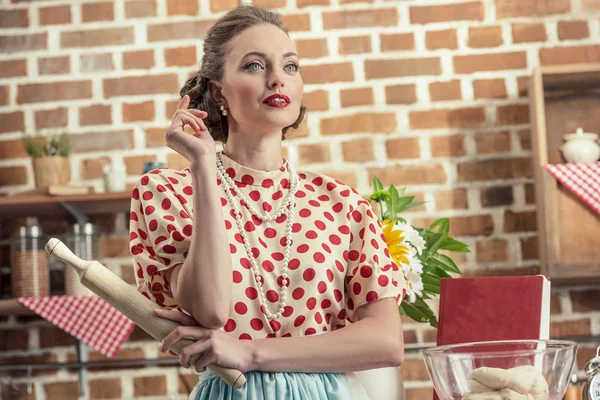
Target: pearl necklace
[[228, 185]]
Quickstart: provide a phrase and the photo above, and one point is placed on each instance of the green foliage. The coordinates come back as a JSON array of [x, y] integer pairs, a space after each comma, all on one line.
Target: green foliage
[[47, 145], [436, 266]]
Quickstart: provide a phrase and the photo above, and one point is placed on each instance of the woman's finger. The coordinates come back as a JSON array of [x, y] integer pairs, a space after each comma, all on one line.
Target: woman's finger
[[202, 362], [191, 332], [200, 347], [197, 113], [198, 119]]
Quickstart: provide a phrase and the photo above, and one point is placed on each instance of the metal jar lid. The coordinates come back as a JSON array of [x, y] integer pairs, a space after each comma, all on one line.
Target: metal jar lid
[[86, 229]]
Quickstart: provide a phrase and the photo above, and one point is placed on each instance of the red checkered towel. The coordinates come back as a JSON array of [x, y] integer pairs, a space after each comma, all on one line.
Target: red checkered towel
[[88, 318], [583, 180]]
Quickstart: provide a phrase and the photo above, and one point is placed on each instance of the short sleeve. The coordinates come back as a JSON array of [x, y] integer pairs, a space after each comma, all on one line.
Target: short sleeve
[[160, 230], [372, 274]]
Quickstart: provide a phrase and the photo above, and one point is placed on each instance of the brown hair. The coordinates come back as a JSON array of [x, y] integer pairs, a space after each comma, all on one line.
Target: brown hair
[[215, 51]]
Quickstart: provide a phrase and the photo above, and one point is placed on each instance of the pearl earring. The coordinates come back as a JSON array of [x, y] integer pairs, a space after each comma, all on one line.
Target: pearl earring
[[223, 110]]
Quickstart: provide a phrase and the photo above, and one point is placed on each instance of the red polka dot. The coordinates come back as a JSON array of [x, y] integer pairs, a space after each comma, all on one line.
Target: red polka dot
[[149, 210], [326, 248], [267, 183], [310, 331], [256, 324], [251, 293], [318, 318], [254, 195], [366, 271], [277, 256], [320, 225], [322, 287], [326, 303], [247, 179], [337, 207], [319, 257], [311, 235], [266, 206], [345, 193], [309, 274], [189, 190], [187, 230], [372, 296], [249, 226], [272, 296], [304, 213], [311, 303], [230, 172], [147, 195], [169, 249], [277, 195], [329, 274], [338, 295], [240, 308], [173, 180], [328, 216], [275, 325], [294, 264], [383, 280], [268, 266], [318, 181], [245, 336], [299, 321], [145, 180], [237, 277], [303, 248], [177, 236], [356, 288], [230, 326], [314, 203], [244, 262], [298, 293]]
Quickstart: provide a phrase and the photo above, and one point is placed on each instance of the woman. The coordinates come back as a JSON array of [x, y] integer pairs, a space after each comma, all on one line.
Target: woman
[[299, 254]]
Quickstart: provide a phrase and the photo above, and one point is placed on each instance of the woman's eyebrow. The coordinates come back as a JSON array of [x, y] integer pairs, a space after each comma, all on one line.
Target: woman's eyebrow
[[263, 55]]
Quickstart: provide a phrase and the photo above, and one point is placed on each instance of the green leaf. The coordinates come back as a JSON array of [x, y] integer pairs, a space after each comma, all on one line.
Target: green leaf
[[430, 279], [443, 223], [413, 312], [455, 246], [431, 251], [377, 186], [431, 288], [444, 262], [412, 204], [421, 305], [392, 203]]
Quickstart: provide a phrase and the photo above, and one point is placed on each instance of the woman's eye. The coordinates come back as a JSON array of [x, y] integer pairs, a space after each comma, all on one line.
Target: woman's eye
[[292, 67], [253, 66]]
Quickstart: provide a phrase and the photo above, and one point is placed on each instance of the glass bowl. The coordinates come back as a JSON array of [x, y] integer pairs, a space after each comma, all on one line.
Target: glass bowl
[[525, 363]]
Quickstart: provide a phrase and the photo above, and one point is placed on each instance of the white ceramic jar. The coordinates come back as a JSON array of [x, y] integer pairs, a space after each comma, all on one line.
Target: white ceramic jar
[[581, 147], [114, 177]]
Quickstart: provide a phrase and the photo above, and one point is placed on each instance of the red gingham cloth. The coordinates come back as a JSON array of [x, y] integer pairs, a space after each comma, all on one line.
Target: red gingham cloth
[[88, 318], [583, 180]]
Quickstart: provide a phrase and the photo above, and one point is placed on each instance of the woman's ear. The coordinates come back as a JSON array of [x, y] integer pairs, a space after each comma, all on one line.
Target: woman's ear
[[215, 91]]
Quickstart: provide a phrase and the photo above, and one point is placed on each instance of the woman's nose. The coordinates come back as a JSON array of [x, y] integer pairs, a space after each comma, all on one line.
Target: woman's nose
[[275, 80]]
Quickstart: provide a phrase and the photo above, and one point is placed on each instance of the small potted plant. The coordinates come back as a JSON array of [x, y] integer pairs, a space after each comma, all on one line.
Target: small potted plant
[[50, 160]]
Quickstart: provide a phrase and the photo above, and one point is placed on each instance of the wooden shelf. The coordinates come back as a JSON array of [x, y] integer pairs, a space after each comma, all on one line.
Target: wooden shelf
[[13, 307], [561, 99], [46, 205]]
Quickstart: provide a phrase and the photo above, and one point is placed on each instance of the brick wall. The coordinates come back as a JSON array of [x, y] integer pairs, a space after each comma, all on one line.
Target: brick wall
[[429, 95]]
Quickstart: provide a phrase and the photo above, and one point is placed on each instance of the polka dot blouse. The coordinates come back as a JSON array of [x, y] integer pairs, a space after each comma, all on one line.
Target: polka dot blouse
[[339, 260]]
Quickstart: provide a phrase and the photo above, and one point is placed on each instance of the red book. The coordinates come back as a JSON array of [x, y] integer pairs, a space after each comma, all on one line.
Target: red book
[[494, 308]]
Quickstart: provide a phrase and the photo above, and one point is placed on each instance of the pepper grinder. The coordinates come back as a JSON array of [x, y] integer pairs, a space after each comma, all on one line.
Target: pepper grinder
[[591, 389]]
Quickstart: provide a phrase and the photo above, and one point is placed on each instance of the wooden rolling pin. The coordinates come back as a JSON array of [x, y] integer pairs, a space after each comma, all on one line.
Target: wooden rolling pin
[[132, 304]]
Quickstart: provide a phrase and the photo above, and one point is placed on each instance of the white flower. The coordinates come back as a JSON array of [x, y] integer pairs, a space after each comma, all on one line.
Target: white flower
[[416, 285], [411, 235]]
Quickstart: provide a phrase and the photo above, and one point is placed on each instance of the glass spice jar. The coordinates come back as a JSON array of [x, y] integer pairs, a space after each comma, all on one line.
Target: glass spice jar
[[29, 262]]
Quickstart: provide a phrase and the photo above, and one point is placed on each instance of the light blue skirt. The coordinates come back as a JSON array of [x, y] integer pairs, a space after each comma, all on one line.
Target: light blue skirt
[[274, 386]]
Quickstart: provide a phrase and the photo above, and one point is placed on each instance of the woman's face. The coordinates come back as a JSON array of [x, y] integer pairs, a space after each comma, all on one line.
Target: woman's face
[[261, 84]]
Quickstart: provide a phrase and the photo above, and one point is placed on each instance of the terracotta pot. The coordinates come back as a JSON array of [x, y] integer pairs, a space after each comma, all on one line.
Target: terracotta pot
[[51, 170]]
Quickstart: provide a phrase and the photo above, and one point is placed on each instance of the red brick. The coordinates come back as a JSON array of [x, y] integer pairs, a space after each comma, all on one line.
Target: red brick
[[91, 63], [360, 18], [312, 48], [177, 7], [469, 225], [178, 30], [222, 5], [12, 121], [98, 114], [360, 150], [13, 339], [500, 169], [150, 385], [414, 369], [418, 393], [397, 41], [489, 89], [529, 194], [590, 5], [512, 114], [485, 36], [354, 45], [54, 118], [530, 8], [356, 97], [409, 175], [105, 388], [181, 56], [401, 67], [455, 199], [324, 73], [21, 43], [491, 251], [102, 140], [134, 165], [60, 390], [140, 9], [148, 84], [472, 11], [316, 101], [524, 221], [18, 18], [13, 176], [308, 3], [97, 37], [530, 249], [401, 94], [142, 59], [401, 148], [443, 39], [522, 82], [570, 55], [55, 15], [444, 91], [473, 117], [492, 142], [12, 68], [447, 146], [93, 168], [92, 12], [269, 3], [314, 153], [580, 327], [4, 95], [12, 149], [490, 62], [52, 336], [53, 91], [138, 111], [585, 300], [54, 65], [529, 32], [573, 30], [355, 123], [297, 22]]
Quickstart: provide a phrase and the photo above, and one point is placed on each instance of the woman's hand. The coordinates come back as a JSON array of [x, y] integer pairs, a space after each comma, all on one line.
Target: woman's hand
[[196, 147], [215, 346]]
